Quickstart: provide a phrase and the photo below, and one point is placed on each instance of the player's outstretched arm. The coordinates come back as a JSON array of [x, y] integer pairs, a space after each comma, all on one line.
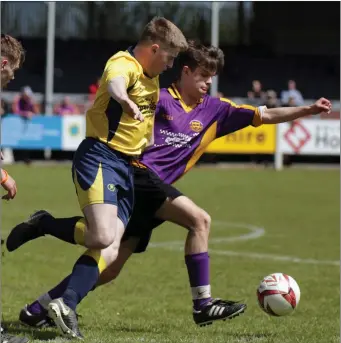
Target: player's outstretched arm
[[117, 89], [284, 114]]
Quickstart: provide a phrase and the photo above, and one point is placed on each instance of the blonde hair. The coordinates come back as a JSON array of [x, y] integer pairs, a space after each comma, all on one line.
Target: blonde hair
[[161, 30], [12, 49]]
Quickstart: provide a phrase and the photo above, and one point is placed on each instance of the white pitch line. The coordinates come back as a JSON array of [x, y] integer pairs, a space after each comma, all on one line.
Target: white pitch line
[[274, 257], [256, 232], [248, 254]]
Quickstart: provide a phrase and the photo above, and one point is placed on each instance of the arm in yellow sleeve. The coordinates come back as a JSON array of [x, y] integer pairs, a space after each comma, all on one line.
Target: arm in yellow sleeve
[[119, 75]]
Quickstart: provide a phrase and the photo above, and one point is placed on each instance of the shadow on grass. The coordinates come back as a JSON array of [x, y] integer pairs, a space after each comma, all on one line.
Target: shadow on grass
[[17, 328]]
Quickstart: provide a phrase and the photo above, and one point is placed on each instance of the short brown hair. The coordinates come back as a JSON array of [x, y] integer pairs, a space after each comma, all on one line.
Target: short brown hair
[[161, 30], [12, 49], [210, 58]]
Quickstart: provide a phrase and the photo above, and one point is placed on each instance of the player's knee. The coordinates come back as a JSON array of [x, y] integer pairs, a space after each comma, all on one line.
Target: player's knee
[[113, 256], [114, 250], [206, 221], [111, 252], [103, 240], [202, 221]]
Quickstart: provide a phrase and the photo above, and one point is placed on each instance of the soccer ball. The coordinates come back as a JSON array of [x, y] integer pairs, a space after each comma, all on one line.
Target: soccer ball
[[278, 294]]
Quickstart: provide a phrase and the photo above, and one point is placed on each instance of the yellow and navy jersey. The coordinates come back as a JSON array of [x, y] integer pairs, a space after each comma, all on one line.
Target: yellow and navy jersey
[[107, 122]]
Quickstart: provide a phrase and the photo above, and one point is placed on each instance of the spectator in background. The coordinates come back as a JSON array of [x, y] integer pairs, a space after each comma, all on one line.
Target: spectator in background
[[66, 107], [293, 93], [271, 99], [256, 96], [25, 107], [24, 104], [5, 108], [93, 89], [92, 94], [292, 102]]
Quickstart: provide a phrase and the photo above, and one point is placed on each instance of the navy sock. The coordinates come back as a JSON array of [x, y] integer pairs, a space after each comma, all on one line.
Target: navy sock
[[58, 290], [83, 279], [67, 229]]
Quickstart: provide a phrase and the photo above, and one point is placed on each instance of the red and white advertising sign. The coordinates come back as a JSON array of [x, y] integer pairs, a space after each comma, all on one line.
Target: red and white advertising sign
[[310, 137]]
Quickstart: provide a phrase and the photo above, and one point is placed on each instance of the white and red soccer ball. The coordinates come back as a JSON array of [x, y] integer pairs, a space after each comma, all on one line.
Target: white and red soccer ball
[[278, 294]]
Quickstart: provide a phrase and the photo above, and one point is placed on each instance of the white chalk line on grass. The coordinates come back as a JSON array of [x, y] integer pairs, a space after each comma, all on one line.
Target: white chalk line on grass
[[255, 232]]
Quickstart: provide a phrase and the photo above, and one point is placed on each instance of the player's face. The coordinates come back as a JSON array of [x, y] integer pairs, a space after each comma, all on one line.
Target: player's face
[[7, 71], [197, 82], [162, 59]]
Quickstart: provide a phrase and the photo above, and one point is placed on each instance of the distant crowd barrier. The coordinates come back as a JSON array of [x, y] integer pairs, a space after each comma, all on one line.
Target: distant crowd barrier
[[302, 137]]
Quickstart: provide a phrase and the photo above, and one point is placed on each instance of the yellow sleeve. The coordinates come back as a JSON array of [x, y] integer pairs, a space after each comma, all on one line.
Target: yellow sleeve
[[257, 118], [121, 66], [246, 110]]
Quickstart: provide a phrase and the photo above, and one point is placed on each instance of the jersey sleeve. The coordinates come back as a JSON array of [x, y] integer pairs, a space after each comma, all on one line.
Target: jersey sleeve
[[123, 67], [233, 117]]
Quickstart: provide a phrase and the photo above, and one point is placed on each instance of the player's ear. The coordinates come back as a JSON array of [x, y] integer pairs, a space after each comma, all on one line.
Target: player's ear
[[155, 48], [4, 62], [186, 70]]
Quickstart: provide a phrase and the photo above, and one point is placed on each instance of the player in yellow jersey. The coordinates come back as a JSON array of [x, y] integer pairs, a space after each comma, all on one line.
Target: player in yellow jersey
[[118, 128]]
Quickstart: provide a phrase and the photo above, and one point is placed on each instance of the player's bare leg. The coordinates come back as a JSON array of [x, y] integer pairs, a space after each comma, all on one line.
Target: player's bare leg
[[185, 212]]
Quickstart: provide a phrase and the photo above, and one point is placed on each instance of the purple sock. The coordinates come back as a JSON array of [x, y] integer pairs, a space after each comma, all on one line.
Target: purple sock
[[37, 306], [198, 267]]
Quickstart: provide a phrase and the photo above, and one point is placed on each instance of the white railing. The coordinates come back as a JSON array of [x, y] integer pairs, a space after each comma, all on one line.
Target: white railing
[[302, 137], [82, 98]]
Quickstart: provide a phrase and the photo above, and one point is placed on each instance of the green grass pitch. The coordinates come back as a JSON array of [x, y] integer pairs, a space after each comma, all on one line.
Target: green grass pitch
[[263, 222]]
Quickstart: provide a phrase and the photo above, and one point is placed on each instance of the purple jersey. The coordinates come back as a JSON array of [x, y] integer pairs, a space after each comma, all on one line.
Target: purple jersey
[[182, 134]]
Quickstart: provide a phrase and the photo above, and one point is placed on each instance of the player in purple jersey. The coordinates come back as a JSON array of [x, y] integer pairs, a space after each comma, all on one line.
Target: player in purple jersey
[[187, 120]]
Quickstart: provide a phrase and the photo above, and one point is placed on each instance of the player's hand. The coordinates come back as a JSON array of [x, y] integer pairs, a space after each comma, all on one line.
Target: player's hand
[[11, 188], [131, 108], [322, 105]]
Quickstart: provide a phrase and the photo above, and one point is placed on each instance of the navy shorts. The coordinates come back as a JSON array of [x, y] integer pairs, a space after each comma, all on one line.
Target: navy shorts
[[103, 176]]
